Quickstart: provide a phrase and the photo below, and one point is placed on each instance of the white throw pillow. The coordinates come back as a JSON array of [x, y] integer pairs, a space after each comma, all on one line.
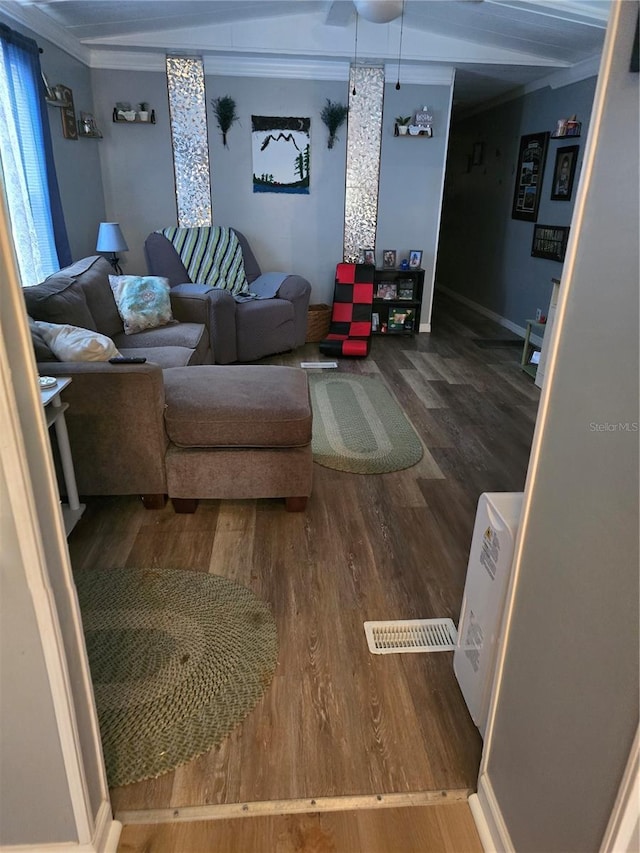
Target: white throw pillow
[[71, 343]]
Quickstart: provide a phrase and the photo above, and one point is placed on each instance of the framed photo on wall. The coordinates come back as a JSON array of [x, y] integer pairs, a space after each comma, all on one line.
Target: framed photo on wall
[[564, 172], [529, 173], [550, 242]]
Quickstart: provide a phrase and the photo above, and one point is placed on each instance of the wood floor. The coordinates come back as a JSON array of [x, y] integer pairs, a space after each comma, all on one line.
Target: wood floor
[[337, 720]]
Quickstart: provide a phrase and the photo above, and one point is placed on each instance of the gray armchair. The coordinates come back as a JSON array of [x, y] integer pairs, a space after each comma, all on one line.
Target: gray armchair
[[240, 331]]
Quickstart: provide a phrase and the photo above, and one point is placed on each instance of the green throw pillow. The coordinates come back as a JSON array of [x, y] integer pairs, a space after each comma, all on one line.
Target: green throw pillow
[[143, 301]]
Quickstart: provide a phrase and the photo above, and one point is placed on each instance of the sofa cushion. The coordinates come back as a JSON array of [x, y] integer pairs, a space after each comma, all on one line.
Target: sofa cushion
[[59, 299], [211, 255], [143, 301], [71, 343], [237, 406], [164, 356], [41, 349], [92, 274], [193, 336]]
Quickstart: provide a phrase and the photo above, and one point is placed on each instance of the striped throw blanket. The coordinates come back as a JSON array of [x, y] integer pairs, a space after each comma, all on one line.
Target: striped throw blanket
[[211, 255]]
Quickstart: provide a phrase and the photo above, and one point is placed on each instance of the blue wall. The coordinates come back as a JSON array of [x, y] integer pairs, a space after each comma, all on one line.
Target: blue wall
[[485, 255]]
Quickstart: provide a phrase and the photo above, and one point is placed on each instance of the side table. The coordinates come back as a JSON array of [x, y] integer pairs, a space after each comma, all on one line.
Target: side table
[[54, 410], [529, 347]]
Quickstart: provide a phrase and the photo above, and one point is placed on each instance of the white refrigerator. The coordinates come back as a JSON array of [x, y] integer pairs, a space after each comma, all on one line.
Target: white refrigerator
[[488, 572]]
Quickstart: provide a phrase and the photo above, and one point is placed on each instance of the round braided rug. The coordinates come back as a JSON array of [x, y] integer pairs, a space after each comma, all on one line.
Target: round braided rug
[[177, 660], [359, 427]]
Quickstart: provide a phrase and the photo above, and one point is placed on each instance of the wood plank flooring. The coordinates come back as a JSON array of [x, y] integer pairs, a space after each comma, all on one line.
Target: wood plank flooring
[[337, 720]]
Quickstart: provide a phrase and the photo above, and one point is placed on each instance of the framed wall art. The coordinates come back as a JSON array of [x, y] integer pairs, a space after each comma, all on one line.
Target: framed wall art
[[550, 242], [68, 113], [564, 172], [529, 173]]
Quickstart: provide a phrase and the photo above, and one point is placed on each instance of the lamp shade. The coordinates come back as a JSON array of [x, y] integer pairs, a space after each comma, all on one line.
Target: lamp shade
[[379, 11], [110, 238]]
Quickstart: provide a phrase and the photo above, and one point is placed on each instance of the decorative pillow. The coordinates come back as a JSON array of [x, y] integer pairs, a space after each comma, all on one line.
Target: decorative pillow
[[71, 343], [143, 301]]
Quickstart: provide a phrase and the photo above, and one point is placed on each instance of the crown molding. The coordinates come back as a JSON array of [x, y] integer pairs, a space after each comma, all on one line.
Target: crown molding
[[255, 66], [41, 25], [430, 75]]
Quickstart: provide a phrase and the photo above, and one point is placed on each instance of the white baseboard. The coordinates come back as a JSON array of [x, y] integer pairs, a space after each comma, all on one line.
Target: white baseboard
[[487, 312], [490, 824], [425, 327], [105, 839]]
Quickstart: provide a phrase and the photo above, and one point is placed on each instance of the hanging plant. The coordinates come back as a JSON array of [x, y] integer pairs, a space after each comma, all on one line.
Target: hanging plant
[[225, 110], [333, 115]]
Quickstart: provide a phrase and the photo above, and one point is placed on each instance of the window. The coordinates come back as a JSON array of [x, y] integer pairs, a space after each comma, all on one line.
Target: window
[[26, 158]]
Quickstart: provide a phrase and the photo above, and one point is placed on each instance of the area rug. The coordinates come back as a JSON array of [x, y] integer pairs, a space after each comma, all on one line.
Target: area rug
[[359, 427], [177, 660]]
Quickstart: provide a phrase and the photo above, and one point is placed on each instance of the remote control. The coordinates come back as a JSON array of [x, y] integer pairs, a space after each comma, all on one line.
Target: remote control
[[127, 359]]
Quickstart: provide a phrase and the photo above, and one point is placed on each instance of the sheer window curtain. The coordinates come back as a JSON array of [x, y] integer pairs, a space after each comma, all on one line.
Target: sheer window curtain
[[26, 156]]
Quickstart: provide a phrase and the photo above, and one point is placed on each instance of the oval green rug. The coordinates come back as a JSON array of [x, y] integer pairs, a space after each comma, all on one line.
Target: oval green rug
[[359, 427], [177, 660]]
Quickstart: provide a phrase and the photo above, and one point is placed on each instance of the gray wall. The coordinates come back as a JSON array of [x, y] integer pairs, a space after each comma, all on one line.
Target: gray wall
[[136, 160], [485, 255], [411, 179], [32, 809], [298, 233], [568, 704]]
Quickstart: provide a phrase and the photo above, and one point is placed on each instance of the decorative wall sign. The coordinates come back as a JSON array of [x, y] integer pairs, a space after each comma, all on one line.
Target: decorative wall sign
[[550, 241], [281, 154], [564, 172], [529, 174], [68, 113]]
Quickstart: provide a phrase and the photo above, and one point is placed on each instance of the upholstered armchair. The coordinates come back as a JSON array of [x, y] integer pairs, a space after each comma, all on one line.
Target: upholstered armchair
[[240, 330]]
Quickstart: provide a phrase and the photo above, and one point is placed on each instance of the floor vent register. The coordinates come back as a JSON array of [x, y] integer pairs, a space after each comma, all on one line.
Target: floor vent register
[[411, 635]]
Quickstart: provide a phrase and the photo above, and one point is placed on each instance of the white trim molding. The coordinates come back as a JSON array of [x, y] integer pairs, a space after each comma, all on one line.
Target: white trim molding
[[623, 831], [488, 818], [487, 312]]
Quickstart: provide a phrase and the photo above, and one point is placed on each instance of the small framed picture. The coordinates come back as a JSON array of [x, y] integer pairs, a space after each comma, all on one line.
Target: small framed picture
[[368, 256], [405, 290], [564, 172], [387, 290], [375, 322], [415, 259], [389, 259]]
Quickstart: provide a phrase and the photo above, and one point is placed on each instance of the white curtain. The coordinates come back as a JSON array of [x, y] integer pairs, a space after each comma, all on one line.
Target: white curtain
[[24, 169]]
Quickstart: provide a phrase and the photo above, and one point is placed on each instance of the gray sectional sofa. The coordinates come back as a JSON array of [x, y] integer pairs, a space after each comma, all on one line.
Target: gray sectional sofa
[[121, 435]]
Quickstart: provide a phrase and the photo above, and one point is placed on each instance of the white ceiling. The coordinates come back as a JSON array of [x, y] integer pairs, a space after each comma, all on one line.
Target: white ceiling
[[496, 46]]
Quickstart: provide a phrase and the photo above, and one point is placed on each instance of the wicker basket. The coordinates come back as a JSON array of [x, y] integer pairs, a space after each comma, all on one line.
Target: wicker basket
[[318, 320]]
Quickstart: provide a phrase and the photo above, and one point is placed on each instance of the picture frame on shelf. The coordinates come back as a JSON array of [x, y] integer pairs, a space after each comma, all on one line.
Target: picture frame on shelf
[[564, 171], [405, 290], [387, 290], [415, 259], [401, 319], [368, 256], [389, 259], [375, 322], [532, 155]]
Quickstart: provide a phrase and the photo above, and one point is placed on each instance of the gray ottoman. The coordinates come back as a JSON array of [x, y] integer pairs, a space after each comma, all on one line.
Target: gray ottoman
[[238, 431]]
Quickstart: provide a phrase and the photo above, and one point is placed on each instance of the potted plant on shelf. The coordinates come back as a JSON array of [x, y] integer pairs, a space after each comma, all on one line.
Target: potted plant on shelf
[[402, 124]]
